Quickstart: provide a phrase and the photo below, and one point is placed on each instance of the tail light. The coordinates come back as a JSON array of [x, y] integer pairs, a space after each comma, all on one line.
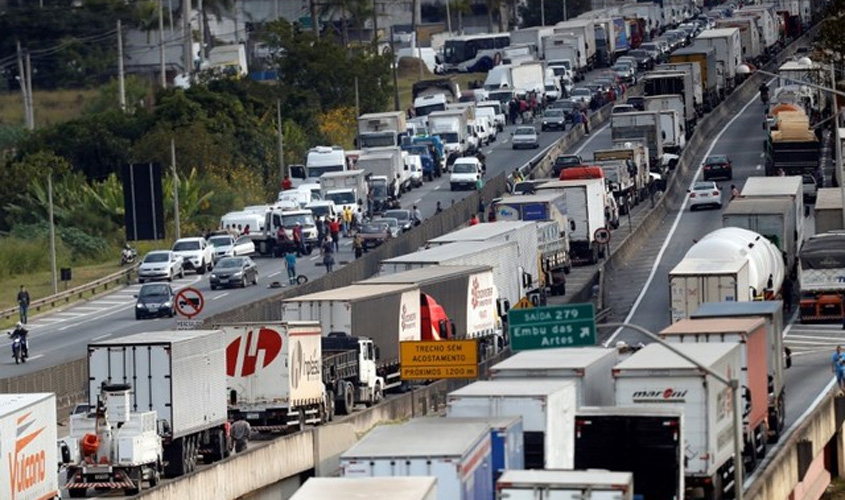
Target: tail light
[[715, 193], [692, 195]]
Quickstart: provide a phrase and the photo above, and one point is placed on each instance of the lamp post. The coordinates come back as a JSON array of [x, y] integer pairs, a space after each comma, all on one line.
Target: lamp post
[[733, 384], [805, 62]]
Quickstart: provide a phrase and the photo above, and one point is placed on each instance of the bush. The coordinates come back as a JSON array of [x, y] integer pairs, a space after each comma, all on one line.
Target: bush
[[72, 244], [24, 256]]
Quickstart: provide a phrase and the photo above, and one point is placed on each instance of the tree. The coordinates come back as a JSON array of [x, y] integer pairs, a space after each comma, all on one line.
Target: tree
[[338, 126], [830, 38]]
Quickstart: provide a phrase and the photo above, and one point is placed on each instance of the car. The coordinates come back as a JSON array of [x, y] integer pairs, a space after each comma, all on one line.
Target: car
[[563, 162], [810, 187], [637, 101], [404, 217], [569, 107], [525, 137], [197, 254], [374, 233], [656, 52], [234, 271], [229, 246], [392, 223], [155, 300], [717, 167], [413, 164], [626, 72], [643, 58], [160, 264], [323, 208], [622, 108], [465, 173], [704, 194], [553, 118], [582, 94]]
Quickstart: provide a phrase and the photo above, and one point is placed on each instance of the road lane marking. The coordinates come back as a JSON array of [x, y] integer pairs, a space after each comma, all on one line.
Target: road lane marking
[[593, 135], [418, 200], [33, 358], [437, 187], [274, 274], [220, 296], [759, 167], [314, 257], [671, 234], [101, 337]]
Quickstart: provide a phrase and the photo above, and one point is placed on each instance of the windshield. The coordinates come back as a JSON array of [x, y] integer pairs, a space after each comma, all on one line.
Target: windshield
[[425, 110], [316, 172], [220, 241], [154, 291], [417, 150], [157, 257], [186, 246], [319, 210], [345, 198], [377, 140], [553, 113], [455, 51], [399, 215], [582, 92], [502, 97], [449, 137], [464, 168], [374, 228], [703, 186], [392, 222], [290, 221], [551, 88], [567, 160], [525, 131], [230, 264], [379, 191], [559, 71]]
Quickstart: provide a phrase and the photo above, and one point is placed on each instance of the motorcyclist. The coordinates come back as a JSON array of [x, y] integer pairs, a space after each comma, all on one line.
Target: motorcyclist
[[128, 254], [20, 332]]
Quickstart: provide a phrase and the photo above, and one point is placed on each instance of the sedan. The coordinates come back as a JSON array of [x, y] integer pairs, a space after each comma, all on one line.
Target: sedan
[[374, 233], [525, 137], [234, 271], [704, 194], [161, 264], [402, 216], [718, 167], [392, 223], [582, 94], [228, 246], [155, 300], [554, 119]]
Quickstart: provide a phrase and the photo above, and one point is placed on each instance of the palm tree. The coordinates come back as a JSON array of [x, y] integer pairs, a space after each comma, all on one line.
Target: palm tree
[[216, 8]]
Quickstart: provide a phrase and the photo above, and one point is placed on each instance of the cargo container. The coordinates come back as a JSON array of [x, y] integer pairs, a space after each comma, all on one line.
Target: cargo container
[[828, 210], [656, 375], [547, 408], [586, 205], [369, 488], [752, 337], [790, 187], [774, 218], [506, 440], [693, 281], [28, 443], [184, 381], [728, 47], [459, 455], [749, 36], [565, 484], [616, 438], [706, 59], [639, 126], [532, 37], [777, 358], [672, 82], [821, 275], [588, 367], [767, 24]]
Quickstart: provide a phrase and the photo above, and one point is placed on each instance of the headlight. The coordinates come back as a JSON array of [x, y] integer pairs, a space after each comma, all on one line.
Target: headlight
[[167, 304], [239, 273], [213, 276], [139, 306], [545, 122]]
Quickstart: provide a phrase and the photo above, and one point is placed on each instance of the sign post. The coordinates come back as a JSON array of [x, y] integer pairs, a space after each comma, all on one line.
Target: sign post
[[570, 325], [430, 360]]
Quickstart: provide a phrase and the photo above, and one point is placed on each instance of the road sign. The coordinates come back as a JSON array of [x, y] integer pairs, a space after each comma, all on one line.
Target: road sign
[[436, 359], [569, 325], [189, 302], [523, 303], [188, 324], [602, 236]]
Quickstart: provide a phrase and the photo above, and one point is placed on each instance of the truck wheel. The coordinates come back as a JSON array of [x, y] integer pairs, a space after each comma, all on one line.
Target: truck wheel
[[215, 446], [377, 396], [131, 492], [347, 400], [155, 476], [329, 406], [749, 455], [175, 457]]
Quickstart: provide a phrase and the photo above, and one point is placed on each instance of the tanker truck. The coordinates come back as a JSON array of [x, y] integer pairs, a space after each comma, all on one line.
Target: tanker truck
[[749, 267]]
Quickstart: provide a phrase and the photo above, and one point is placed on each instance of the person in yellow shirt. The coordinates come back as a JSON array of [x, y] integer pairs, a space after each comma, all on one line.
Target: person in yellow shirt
[[347, 220]]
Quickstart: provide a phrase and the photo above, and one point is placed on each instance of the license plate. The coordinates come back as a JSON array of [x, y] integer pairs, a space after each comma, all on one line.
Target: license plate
[[252, 416]]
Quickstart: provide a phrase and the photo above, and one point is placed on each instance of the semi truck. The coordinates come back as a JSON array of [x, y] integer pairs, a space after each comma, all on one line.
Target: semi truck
[[639, 126], [28, 440], [378, 130], [585, 205], [749, 267], [547, 408], [752, 336], [554, 484], [774, 218], [345, 189], [726, 42], [191, 422], [789, 187], [617, 438], [372, 488], [458, 454], [792, 147], [778, 358], [654, 375], [705, 57], [451, 127], [671, 83], [322, 159], [821, 276], [588, 367]]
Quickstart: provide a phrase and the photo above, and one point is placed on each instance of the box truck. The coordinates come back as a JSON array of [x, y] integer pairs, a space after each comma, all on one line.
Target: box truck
[[616, 438], [774, 218], [562, 484], [345, 189], [547, 408], [728, 47], [184, 381], [588, 367], [674, 82], [790, 187], [378, 130], [371, 488], [585, 206], [705, 57], [584, 28], [654, 375], [28, 440], [639, 126], [457, 454], [385, 165]]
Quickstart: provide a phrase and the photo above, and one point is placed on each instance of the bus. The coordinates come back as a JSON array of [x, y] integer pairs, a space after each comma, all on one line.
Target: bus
[[474, 53]]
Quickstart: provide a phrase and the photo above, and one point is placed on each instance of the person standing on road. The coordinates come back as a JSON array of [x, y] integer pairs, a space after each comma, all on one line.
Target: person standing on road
[[479, 183], [585, 122], [240, 432], [328, 254], [473, 221], [290, 265], [298, 240], [417, 216], [23, 304], [734, 191], [837, 367], [438, 208], [347, 221], [334, 230], [358, 246]]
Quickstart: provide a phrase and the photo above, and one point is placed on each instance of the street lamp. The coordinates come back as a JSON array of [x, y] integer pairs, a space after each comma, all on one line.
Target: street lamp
[[733, 384], [806, 62]]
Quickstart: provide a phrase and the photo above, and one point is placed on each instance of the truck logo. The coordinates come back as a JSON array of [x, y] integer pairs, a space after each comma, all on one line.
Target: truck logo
[[26, 470], [296, 364], [480, 296], [267, 340], [409, 319], [665, 396]]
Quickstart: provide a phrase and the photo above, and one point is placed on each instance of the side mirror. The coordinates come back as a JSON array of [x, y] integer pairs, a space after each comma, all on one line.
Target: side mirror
[[135, 295]]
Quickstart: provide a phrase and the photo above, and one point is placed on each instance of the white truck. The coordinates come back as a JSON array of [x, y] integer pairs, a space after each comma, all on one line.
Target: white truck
[[588, 367], [451, 127], [584, 28], [567, 49], [386, 165], [322, 159], [372, 488], [672, 125], [639, 126], [789, 187], [774, 218], [768, 22], [379, 130], [749, 35], [346, 189], [694, 69], [547, 408], [561, 484], [586, 201], [192, 422], [675, 82], [532, 37], [28, 440], [529, 77], [654, 375], [728, 47]]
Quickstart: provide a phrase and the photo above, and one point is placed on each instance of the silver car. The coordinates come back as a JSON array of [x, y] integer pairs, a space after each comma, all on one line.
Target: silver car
[[160, 264], [525, 137]]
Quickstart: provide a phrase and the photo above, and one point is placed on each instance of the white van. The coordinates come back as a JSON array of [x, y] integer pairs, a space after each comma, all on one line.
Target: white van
[[237, 222], [413, 165], [301, 196], [323, 208]]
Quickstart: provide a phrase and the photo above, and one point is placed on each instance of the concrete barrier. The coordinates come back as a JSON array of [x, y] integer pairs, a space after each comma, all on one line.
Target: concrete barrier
[[67, 380]]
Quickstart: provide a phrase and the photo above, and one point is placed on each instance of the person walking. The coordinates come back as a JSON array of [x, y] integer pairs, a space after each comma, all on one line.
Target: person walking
[[298, 240], [23, 304], [479, 183], [328, 254], [358, 246], [586, 122], [837, 366], [734, 191], [290, 265], [417, 215], [347, 221], [438, 208], [334, 231], [287, 183], [240, 432], [481, 207]]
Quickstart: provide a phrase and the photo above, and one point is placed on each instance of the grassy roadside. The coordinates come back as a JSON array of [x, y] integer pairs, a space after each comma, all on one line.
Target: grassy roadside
[[409, 74], [50, 106]]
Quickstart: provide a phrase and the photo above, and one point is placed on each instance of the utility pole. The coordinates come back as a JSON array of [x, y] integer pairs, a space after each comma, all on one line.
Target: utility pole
[[542, 12], [121, 82], [357, 101], [276, 10], [170, 15], [235, 12], [564, 10], [415, 45], [29, 91], [176, 223], [375, 22], [315, 25], [52, 234], [282, 171], [395, 71], [202, 31], [448, 18], [22, 81], [188, 49], [161, 43]]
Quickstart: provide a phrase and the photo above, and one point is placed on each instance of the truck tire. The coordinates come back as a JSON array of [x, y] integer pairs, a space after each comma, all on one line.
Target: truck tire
[[215, 447], [131, 492], [749, 455], [347, 400], [175, 455], [378, 395], [329, 406], [155, 476]]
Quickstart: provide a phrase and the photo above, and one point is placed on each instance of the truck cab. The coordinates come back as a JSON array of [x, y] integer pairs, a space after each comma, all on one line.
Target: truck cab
[[435, 324], [349, 371], [322, 159]]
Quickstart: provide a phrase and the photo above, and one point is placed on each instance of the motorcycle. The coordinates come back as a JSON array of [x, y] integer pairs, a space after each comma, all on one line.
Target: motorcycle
[[19, 349], [128, 256]]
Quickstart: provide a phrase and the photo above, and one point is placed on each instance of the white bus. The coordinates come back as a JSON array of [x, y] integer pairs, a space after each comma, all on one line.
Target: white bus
[[474, 53]]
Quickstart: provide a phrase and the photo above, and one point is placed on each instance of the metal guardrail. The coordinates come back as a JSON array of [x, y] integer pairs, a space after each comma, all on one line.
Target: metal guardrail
[[124, 276]]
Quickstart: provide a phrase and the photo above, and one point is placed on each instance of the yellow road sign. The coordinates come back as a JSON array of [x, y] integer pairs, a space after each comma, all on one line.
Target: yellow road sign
[[429, 360], [524, 303]]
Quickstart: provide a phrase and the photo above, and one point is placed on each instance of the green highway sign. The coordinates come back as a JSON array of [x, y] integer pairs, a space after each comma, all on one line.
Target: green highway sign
[[570, 325]]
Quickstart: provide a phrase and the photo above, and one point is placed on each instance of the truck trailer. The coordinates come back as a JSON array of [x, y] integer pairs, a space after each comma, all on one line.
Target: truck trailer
[[705, 57], [561, 484], [821, 275], [28, 440], [371, 488], [726, 42], [586, 203], [774, 218], [789, 187]]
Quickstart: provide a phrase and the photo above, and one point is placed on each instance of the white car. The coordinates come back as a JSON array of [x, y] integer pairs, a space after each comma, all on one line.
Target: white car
[[704, 194], [465, 173], [525, 137], [160, 264], [197, 254], [228, 246]]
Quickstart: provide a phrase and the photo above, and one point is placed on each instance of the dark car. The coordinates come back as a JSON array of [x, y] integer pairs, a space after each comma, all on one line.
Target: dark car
[[374, 234], [563, 162], [402, 215], [234, 271], [569, 107], [638, 102], [643, 58], [553, 119], [155, 300], [718, 167]]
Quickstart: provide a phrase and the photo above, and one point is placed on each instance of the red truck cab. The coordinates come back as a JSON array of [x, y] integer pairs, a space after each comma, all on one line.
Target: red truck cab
[[435, 324], [584, 172]]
